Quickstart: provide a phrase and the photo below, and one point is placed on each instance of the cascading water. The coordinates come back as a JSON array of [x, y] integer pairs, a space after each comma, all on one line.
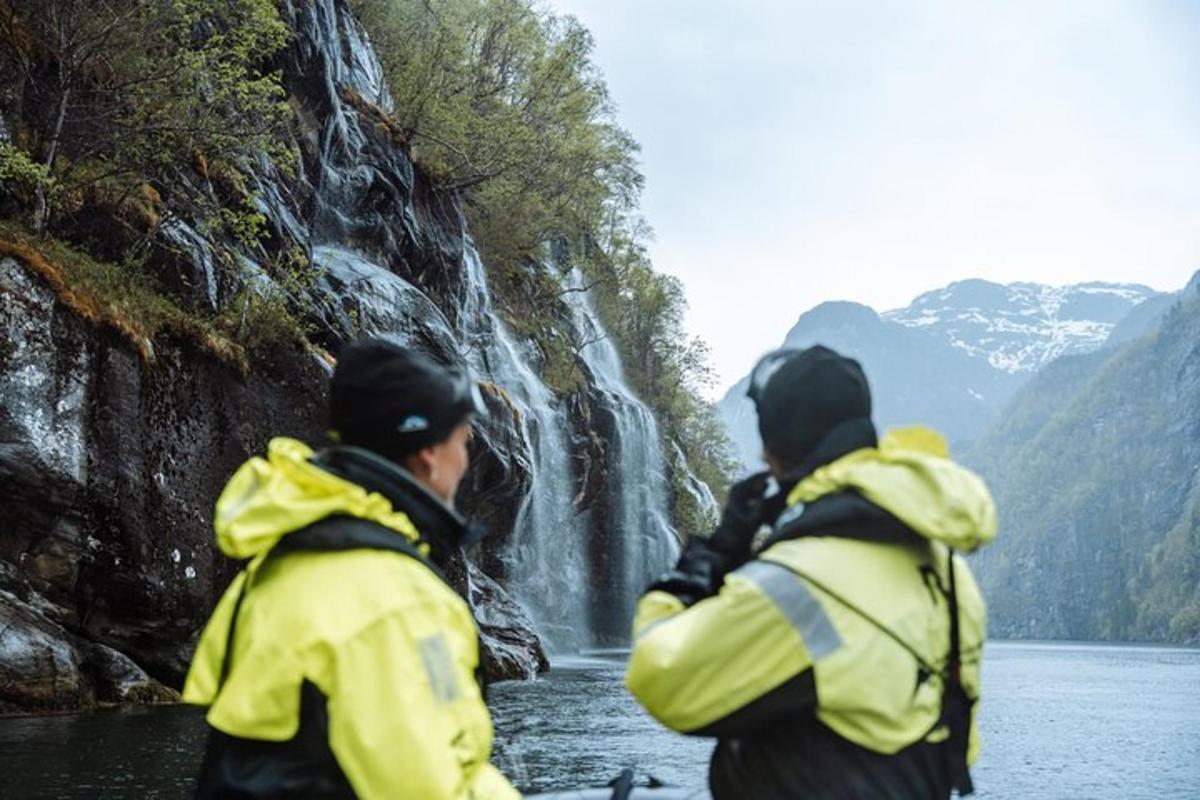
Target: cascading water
[[701, 494], [638, 496], [547, 556]]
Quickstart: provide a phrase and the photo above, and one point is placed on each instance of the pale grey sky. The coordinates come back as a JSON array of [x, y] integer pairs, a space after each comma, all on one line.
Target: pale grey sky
[[797, 152]]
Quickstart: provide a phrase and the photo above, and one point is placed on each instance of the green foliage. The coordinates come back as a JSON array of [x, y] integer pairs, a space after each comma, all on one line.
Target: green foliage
[[19, 170], [1166, 584], [120, 95], [122, 297], [1185, 626], [689, 515], [266, 315], [499, 98]]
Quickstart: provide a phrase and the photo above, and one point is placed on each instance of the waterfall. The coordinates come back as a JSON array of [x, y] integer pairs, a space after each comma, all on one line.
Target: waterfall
[[546, 559], [576, 572], [638, 498], [702, 496]]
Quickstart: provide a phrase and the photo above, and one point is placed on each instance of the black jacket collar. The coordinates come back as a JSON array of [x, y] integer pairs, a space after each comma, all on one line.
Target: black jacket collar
[[443, 528], [842, 439], [846, 514]]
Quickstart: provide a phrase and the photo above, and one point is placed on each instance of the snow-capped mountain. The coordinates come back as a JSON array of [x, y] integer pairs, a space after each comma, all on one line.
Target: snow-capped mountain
[[956, 355], [1020, 327]]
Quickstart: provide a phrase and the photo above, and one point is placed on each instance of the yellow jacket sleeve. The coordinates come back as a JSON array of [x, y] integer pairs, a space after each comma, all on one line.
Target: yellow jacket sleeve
[[404, 710], [692, 666]]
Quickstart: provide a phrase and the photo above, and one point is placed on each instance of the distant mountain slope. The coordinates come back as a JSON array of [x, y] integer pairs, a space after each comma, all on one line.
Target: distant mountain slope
[[1020, 327], [1143, 317], [955, 356], [1095, 467]]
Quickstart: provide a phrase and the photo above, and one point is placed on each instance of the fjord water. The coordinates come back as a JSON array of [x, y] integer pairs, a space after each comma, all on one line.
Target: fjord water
[[1058, 721]]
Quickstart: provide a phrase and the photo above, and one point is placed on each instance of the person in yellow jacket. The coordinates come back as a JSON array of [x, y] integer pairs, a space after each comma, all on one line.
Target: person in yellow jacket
[[339, 663], [839, 657]]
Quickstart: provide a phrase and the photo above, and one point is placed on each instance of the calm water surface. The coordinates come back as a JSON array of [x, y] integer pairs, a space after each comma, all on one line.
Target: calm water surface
[[1059, 721]]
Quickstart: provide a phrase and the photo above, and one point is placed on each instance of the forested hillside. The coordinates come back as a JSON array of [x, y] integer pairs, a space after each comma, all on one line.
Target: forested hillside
[[500, 98], [1095, 466]]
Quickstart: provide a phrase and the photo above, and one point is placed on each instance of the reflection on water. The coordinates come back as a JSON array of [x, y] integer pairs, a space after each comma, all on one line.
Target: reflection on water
[[125, 753], [1059, 721], [578, 726]]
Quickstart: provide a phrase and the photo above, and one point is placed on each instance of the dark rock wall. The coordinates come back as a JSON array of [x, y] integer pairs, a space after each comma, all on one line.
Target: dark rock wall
[[110, 468]]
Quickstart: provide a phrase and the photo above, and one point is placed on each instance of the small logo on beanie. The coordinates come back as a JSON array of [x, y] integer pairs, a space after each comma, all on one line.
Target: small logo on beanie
[[789, 515], [413, 423]]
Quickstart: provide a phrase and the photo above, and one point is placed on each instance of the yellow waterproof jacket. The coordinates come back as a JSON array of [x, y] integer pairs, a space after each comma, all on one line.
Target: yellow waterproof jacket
[[862, 619], [388, 645]]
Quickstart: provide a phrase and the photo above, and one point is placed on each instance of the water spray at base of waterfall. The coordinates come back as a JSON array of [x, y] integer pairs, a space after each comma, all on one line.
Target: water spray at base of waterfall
[[639, 502]]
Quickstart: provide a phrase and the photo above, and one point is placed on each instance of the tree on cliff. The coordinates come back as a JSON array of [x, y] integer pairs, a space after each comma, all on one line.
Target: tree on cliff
[[501, 98], [117, 101]]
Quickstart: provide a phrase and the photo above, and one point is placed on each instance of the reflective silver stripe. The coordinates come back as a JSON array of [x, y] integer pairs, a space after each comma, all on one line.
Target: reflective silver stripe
[[439, 667], [788, 592]]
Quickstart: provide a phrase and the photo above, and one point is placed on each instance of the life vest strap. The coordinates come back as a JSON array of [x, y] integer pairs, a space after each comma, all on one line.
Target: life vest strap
[[334, 533]]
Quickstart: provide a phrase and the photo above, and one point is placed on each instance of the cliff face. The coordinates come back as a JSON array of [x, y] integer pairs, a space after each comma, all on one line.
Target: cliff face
[[109, 470], [112, 452], [1094, 467]]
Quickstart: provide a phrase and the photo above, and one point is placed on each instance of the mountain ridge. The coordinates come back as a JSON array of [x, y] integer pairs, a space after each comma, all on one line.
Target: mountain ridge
[[1022, 326], [953, 357]]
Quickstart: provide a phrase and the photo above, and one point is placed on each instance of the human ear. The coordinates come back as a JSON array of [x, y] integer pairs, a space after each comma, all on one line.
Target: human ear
[[422, 464]]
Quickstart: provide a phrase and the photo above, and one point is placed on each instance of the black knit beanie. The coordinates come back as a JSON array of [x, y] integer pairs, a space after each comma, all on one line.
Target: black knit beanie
[[394, 401], [814, 405]]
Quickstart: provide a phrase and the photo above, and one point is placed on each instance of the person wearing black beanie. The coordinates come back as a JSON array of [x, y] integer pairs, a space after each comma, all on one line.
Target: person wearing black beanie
[[340, 662], [837, 653]]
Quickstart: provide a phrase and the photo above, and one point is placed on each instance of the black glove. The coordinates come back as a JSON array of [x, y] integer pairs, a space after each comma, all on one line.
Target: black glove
[[743, 515], [704, 562]]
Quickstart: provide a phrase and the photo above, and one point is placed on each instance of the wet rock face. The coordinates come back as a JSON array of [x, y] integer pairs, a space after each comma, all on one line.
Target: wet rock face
[[358, 186], [510, 648], [110, 467], [39, 669], [43, 667], [109, 470]]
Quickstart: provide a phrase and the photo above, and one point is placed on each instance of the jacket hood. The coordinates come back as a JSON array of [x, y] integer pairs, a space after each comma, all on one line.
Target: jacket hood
[[911, 476], [268, 498]]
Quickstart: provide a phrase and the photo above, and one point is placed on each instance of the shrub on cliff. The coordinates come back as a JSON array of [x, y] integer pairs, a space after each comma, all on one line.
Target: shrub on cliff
[[110, 97]]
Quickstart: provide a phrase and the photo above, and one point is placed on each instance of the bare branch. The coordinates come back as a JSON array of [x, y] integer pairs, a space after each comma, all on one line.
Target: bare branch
[[583, 289], [591, 340]]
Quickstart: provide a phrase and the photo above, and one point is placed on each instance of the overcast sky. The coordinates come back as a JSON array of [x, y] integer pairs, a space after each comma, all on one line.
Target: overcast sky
[[797, 152]]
